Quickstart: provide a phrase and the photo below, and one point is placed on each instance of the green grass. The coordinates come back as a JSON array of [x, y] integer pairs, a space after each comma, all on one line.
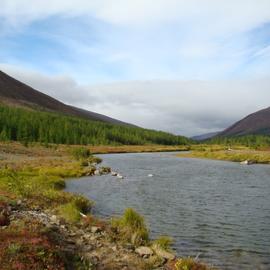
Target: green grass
[[262, 157], [163, 242], [190, 264], [69, 212], [131, 227], [43, 186]]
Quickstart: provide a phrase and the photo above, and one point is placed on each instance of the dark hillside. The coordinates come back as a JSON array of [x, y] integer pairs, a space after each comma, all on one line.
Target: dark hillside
[[14, 92]]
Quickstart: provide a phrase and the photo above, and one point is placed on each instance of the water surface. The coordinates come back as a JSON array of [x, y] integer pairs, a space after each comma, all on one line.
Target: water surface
[[220, 210]]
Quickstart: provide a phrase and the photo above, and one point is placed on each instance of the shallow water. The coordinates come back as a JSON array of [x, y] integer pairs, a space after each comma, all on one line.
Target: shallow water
[[220, 210]]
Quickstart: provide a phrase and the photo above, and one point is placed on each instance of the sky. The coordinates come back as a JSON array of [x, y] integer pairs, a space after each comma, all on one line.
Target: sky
[[187, 67]]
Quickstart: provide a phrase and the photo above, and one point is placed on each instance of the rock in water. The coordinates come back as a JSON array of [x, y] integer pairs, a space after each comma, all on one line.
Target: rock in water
[[246, 162], [120, 176]]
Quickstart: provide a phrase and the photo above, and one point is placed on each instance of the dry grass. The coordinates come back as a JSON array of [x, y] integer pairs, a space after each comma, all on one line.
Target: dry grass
[[135, 149], [261, 157]]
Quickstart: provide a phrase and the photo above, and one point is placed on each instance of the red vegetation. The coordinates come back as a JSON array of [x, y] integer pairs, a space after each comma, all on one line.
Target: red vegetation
[[24, 246]]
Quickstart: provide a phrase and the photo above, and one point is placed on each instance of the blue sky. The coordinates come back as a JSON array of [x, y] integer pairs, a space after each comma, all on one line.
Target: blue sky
[[103, 42]]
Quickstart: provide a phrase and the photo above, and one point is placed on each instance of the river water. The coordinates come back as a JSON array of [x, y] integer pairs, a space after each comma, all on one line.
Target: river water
[[219, 210]]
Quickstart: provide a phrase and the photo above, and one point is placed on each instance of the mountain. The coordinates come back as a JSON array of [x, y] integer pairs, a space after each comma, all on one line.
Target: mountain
[[16, 93], [255, 123], [205, 136]]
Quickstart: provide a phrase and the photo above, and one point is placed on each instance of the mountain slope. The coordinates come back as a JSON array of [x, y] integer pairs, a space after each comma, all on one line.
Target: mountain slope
[[255, 123], [205, 136], [14, 92]]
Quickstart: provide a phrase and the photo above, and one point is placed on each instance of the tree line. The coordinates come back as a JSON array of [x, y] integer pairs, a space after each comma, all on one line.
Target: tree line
[[25, 125], [253, 141]]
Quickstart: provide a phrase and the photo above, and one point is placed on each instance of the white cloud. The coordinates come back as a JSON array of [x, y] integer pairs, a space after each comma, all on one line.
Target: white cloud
[[228, 16], [182, 107]]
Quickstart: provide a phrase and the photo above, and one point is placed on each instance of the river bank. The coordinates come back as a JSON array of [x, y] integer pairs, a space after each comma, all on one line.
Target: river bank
[[245, 156], [44, 227]]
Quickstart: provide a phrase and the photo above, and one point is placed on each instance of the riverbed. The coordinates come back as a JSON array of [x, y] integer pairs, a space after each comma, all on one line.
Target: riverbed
[[217, 210]]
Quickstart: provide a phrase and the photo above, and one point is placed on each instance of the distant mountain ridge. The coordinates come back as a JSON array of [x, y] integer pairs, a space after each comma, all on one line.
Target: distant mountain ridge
[[257, 123], [14, 92], [205, 136]]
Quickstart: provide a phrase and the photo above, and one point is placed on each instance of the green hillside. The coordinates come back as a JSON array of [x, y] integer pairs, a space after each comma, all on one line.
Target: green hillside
[[18, 124]]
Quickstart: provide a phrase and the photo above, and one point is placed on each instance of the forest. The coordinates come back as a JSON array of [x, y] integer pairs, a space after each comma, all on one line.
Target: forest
[[253, 141], [25, 125]]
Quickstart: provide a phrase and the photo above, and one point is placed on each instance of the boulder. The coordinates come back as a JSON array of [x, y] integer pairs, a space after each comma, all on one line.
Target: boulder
[[144, 251], [246, 162]]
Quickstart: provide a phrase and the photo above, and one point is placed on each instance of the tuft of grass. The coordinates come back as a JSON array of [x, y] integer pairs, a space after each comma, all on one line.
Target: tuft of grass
[[14, 248], [190, 264], [69, 212], [164, 242], [131, 227], [82, 204], [80, 153]]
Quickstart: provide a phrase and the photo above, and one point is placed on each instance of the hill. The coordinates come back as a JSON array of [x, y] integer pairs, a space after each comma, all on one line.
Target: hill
[[16, 93], [257, 123], [28, 115], [204, 136]]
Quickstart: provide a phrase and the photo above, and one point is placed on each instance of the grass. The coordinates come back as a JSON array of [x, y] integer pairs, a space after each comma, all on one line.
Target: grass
[[163, 242], [136, 148], [131, 227], [189, 264], [36, 173], [235, 154], [71, 211]]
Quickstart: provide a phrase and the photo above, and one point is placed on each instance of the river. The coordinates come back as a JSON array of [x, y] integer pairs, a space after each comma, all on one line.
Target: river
[[219, 210]]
